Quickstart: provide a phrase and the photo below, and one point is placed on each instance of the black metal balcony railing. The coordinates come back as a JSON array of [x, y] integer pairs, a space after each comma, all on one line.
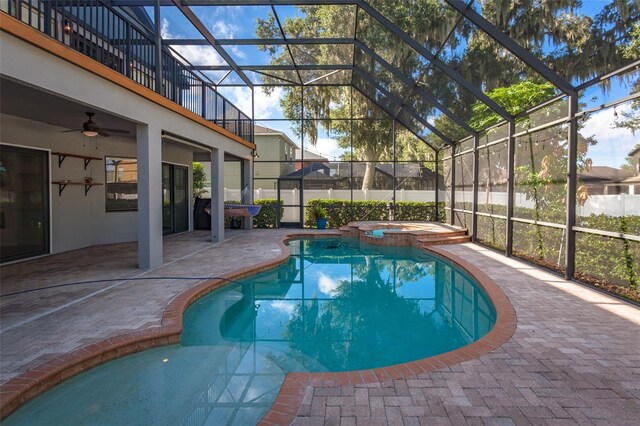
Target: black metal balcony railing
[[120, 42]]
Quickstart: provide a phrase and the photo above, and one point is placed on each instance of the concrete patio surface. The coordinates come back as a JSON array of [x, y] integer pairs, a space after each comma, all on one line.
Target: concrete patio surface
[[574, 358]]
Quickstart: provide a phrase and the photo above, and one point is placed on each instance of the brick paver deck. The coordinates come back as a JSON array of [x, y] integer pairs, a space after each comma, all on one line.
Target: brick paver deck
[[574, 358]]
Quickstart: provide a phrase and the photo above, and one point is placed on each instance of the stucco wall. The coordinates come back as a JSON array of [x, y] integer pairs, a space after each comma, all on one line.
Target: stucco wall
[[78, 221]]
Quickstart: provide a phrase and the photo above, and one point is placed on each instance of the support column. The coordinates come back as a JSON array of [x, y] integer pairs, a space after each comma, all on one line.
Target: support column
[[476, 173], [158, 46], [452, 198], [393, 196], [149, 152], [511, 147], [247, 182], [572, 154], [437, 168], [217, 195]]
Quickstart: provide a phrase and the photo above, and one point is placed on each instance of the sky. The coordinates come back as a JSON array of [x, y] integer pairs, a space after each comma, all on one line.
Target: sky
[[614, 143], [226, 22]]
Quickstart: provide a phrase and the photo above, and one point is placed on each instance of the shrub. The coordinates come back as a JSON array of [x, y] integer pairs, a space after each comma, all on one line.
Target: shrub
[[341, 212], [268, 216], [199, 179]]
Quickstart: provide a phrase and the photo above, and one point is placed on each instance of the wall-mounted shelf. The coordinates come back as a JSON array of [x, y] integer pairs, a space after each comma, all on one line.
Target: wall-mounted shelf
[[63, 155], [62, 184]]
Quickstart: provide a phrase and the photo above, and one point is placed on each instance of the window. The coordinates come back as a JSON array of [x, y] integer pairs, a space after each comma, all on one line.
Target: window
[[121, 184]]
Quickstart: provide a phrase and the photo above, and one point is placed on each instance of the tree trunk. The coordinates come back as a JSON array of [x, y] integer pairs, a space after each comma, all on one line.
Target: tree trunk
[[369, 174]]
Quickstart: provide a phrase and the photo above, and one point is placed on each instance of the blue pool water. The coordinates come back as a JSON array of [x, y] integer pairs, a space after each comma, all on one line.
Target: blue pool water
[[379, 233], [335, 305]]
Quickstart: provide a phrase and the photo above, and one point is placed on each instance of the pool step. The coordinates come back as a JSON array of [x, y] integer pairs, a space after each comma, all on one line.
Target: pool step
[[438, 234], [447, 238]]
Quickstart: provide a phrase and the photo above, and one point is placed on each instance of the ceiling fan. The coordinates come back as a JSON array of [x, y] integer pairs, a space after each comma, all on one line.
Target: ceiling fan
[[91, 129]]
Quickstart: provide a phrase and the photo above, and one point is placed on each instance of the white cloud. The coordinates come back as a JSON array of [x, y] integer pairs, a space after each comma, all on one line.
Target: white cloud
[[266, 106], [328, 147], [223, 30], [613, 143], [328, 285], [196, 55], [282, 306]]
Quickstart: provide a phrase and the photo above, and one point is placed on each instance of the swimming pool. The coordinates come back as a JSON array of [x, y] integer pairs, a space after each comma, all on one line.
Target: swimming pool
[[336, 305]]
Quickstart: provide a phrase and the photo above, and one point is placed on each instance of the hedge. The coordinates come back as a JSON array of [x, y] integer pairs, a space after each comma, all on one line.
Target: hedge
[[268, 216], [341, 212]]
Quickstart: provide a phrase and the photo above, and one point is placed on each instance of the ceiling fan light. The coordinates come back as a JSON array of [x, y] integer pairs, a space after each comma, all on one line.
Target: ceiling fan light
[[90, 133]]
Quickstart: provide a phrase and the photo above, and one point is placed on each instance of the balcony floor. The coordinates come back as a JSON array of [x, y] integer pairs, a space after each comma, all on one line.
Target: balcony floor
[[573, 358]]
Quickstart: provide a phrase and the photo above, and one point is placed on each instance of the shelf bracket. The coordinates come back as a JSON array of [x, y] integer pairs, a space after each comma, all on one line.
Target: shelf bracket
[[86, 162], [86, 189], [61, 187], [61, 159]]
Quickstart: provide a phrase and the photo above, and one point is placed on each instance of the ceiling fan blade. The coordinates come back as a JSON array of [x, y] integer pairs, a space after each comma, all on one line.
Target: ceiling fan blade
[[115, 130], [72, 130], [101, 132]]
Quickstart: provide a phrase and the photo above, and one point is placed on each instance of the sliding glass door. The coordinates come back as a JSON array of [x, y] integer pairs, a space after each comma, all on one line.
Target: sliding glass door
[[175, 198], [24, 203]]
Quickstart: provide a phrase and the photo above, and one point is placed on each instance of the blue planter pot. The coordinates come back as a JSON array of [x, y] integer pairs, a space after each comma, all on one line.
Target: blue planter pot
[[321, 223]]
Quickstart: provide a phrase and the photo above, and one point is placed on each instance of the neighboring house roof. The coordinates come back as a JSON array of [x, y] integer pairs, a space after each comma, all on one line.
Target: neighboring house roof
[[635, 151], [310, 156], [632, 179], [263, 131], [313, 169], [319, 175], [604, 174], [326, 170]]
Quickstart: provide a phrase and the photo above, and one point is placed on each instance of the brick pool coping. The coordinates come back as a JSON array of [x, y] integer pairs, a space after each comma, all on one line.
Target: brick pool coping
[[21, 389]]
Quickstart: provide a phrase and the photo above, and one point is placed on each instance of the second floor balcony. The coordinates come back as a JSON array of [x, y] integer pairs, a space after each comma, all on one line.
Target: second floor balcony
[[124, 40]]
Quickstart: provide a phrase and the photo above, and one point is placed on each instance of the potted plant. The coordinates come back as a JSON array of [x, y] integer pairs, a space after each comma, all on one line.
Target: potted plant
[[319, 213]]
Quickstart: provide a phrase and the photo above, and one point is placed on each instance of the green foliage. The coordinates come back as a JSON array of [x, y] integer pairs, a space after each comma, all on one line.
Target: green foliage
[[607, 259], [599, 259], [629, 163], [199, 178], [341, 212], [632, 49], [634, 281], [416, 210], [514, 99], [631, 119], [268, 216]]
